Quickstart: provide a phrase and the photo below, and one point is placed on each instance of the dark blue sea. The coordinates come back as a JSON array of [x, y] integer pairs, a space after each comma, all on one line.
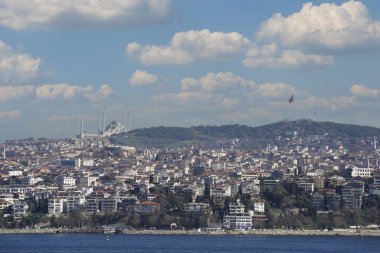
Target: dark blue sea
[[94, 243]]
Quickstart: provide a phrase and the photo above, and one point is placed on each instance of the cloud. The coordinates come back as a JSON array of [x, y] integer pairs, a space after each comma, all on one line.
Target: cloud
[[323, 27], [47, 14], [67, 91], [229, 102], [10, 114], [71, 118], [247, 115], [187, 47], [226, 90], [332, 103], [216, 81], [275, 90], [196, 99], [15, 92], [362, 90], [102, 93], [287, 58], [17, 67], [221, 81], [141, 78], [186, 97]]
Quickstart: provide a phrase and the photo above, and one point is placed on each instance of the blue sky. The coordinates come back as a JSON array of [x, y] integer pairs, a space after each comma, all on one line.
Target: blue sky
[[185, 63]]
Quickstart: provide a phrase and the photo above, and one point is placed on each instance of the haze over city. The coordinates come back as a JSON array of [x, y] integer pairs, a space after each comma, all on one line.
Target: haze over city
[[185, 63]]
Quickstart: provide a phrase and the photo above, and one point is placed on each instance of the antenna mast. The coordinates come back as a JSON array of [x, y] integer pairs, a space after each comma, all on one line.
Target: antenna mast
[[129, 121]]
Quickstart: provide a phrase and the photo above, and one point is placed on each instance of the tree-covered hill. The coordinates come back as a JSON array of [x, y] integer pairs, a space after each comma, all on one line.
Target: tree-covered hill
[[178, 136]]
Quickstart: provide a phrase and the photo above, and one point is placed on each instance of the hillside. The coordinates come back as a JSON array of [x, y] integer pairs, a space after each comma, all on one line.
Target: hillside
[[257, 136]]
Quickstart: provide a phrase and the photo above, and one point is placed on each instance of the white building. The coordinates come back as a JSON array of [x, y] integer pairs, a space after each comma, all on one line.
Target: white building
[[15, 173], [249, 187], [242, 221], [88, 162], [258, 206], [86, 181], [361, 172], [236, 208], [74, 202], [221, 192], [31, 180], [20, 209], [195, 207], [66, 182], [56, 206]]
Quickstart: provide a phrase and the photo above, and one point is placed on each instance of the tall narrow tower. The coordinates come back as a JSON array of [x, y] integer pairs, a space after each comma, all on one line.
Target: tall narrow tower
[[125, 129], [99, 131], [129, 121], [104, 121], [78, 126], [4, 151], [82, 127]]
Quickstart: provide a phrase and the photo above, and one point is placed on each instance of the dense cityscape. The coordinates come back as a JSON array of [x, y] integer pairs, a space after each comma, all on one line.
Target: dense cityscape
[[189, 126], [87, 182]]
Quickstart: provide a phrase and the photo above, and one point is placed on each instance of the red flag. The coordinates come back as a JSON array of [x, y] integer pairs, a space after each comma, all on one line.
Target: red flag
[[291, 99]]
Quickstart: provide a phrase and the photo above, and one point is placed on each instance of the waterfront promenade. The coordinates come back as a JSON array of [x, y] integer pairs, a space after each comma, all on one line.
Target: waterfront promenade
[[269, 232]]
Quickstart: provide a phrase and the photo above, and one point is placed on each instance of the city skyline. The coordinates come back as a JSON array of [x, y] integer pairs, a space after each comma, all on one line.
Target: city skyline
[[185, 63]]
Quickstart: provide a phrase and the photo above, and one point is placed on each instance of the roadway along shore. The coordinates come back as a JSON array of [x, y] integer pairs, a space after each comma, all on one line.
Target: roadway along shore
[[268, 232]]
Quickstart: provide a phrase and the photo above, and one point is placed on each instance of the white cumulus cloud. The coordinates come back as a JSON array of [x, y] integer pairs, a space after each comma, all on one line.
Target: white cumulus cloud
[[10, 114], [140, 78], [216, 81], [67, 91], [186, 47], [332, 103], [52, 14], [327, 26], [102, 93], [15, 92], [186, 97], [229, 102], [288, 58], [17, 67], [275, 90], [362, 90]]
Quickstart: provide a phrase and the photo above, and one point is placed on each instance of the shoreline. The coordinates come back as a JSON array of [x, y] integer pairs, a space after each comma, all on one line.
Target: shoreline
[[268, 232]]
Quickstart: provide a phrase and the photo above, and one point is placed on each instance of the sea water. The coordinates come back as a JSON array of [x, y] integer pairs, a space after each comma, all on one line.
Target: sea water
[[99, 243]]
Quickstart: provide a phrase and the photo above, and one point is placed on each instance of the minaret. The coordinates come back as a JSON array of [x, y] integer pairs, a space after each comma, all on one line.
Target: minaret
[[129, 121], [78, 126], [82, 127], [99, 131], [104, 122], [125, 129]]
